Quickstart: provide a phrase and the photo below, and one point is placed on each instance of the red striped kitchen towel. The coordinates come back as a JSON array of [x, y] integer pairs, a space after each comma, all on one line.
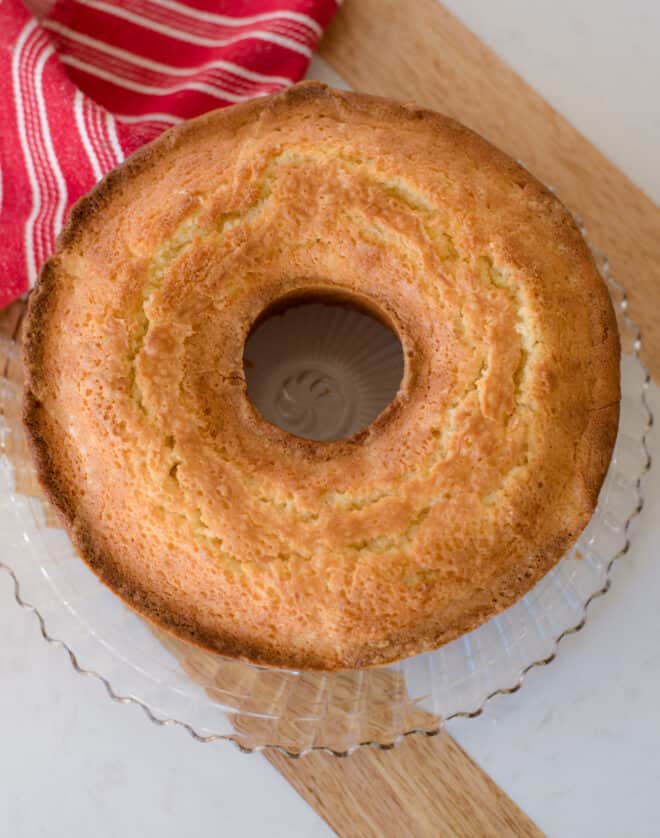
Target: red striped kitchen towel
[[88, 81]]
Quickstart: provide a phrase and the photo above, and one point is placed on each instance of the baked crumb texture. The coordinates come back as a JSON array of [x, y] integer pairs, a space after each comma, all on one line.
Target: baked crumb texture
[[262, 546]]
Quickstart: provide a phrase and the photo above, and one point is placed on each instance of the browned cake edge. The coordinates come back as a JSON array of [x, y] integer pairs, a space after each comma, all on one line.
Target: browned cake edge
[[597, 443]]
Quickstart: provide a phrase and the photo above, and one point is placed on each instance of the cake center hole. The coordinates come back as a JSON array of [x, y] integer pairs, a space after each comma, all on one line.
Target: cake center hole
[[320, 369]]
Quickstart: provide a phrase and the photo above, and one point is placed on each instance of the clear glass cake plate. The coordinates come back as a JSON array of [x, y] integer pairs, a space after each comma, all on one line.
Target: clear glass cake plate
[[214, 698]]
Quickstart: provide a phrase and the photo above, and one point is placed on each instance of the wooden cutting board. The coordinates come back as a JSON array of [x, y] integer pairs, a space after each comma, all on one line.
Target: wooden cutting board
[[416, 50]]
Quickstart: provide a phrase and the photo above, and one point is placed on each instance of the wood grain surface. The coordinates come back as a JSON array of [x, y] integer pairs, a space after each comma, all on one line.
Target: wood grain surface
[[426, 787], [416, 50]]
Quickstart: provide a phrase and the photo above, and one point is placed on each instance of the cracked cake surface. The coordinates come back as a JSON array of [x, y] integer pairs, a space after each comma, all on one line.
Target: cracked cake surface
[[283, 551]]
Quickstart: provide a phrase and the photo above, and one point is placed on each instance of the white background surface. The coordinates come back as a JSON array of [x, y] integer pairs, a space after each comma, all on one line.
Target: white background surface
[[578, 747], [595, 61]]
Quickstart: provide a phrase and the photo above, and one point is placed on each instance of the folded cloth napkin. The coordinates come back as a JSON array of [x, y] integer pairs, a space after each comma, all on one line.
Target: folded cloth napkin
[[88, 81]]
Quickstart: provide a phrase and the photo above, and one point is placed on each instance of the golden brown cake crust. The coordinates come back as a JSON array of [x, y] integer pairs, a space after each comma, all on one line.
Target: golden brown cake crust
[[259, 545]]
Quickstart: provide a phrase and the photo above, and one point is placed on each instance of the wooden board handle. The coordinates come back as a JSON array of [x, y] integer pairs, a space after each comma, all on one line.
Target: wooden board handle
[[424, 788]]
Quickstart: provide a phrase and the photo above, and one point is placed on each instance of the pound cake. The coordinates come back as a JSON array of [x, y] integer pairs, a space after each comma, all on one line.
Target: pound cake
[[283, 551]]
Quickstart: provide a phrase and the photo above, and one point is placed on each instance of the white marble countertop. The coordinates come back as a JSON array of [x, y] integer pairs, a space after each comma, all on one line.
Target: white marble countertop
[[578, 748]]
